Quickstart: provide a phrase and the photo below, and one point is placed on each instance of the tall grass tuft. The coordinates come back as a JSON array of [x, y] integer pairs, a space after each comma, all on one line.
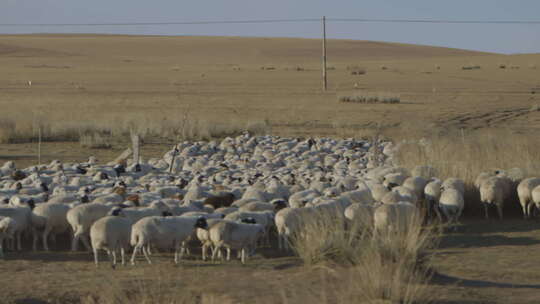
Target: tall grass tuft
[[389, 267]]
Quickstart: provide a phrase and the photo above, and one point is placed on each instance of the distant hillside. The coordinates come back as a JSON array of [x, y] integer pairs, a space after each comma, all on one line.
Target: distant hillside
[[200, 50]]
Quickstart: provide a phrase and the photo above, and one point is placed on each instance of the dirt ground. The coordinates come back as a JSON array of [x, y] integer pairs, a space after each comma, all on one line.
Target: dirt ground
[[486, 261]]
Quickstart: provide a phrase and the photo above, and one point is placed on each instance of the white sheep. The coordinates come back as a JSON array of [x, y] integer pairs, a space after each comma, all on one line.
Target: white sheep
[[492, 192], [451, 204], [50, 218], [432, 193], [8, 227], [524, 191], [22, 217], [111, 233], [233, 235], [165, 233], [81, 219], [394, 218]]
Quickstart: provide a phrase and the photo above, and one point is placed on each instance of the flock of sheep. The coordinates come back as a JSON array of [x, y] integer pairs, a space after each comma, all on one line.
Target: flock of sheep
[[232, 195]]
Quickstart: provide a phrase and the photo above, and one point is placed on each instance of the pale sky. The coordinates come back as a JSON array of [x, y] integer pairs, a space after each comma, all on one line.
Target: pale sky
[[494, 38]]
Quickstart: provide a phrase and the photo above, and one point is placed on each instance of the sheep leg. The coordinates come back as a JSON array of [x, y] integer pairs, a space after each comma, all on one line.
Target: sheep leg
[[530, 210], [135, 250], [96, 257], [228, 253], [45, 237], [123, 256], [280, 242], [19, 246], [146, 255], [486, 210], [215, 251], [525, 210], [86, 242], [176, 250], [77, 235], [35, 239], [243, 257], [500, 210], [204, 248], [114, 258]]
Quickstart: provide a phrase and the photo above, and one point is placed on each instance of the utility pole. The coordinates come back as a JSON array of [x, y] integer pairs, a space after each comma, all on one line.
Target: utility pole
[[324, 53]]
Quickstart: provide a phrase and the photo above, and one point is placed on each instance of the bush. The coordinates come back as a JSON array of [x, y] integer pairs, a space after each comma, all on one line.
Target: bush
[[393, 267], [367, 97]]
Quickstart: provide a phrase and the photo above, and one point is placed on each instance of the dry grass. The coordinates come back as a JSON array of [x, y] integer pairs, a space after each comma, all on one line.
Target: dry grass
[[471, 67], [389, 268], [369, 97]]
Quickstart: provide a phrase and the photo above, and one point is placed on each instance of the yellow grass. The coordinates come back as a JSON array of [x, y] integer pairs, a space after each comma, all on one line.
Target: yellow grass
[[389, 266]]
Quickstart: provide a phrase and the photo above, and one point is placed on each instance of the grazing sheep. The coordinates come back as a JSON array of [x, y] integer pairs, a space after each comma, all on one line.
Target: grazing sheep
[[169, 232], [111, 233], [233, 235], [288, 221], [50, 218], [492, 191], [204, 237], [361, 215], [432, 193], [394, 218], [22, 217], [219, 201], [455, 183], [451, 204], [524, 191], [81, 219], [8, 227]]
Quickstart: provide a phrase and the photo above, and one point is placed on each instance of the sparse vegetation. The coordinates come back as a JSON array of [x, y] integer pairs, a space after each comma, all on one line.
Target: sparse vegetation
[[471, 67], [391, 267], [356, 70], [367, 97]]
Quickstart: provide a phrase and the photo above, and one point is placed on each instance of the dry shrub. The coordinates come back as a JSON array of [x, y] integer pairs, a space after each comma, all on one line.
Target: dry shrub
[[95, 141], [392, 267], [356, 70], [369, 97], [169, 126], [470, 67]]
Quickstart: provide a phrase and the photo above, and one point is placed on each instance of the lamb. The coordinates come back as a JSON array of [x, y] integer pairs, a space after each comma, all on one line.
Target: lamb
[[164, 233], [8, 227], [257, 206], [451, 204], [81, 219], [111, 233], [51, 219], [524, 190], [232, 235]]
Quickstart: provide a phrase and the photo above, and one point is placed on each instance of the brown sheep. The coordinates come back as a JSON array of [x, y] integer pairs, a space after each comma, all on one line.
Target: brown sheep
[[218, 201]]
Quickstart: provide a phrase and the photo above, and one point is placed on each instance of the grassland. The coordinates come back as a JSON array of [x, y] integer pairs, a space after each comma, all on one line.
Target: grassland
[[169, 88]]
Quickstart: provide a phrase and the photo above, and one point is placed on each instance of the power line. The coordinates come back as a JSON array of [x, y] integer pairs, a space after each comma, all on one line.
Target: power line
[[364, 20], [445, 21], [165, 23]]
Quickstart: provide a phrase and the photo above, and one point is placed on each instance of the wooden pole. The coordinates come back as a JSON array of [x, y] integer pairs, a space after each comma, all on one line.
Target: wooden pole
[[324, 53], [39, 145]]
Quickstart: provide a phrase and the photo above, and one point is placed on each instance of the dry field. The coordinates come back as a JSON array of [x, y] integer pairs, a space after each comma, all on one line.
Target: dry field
[[170, 88]]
